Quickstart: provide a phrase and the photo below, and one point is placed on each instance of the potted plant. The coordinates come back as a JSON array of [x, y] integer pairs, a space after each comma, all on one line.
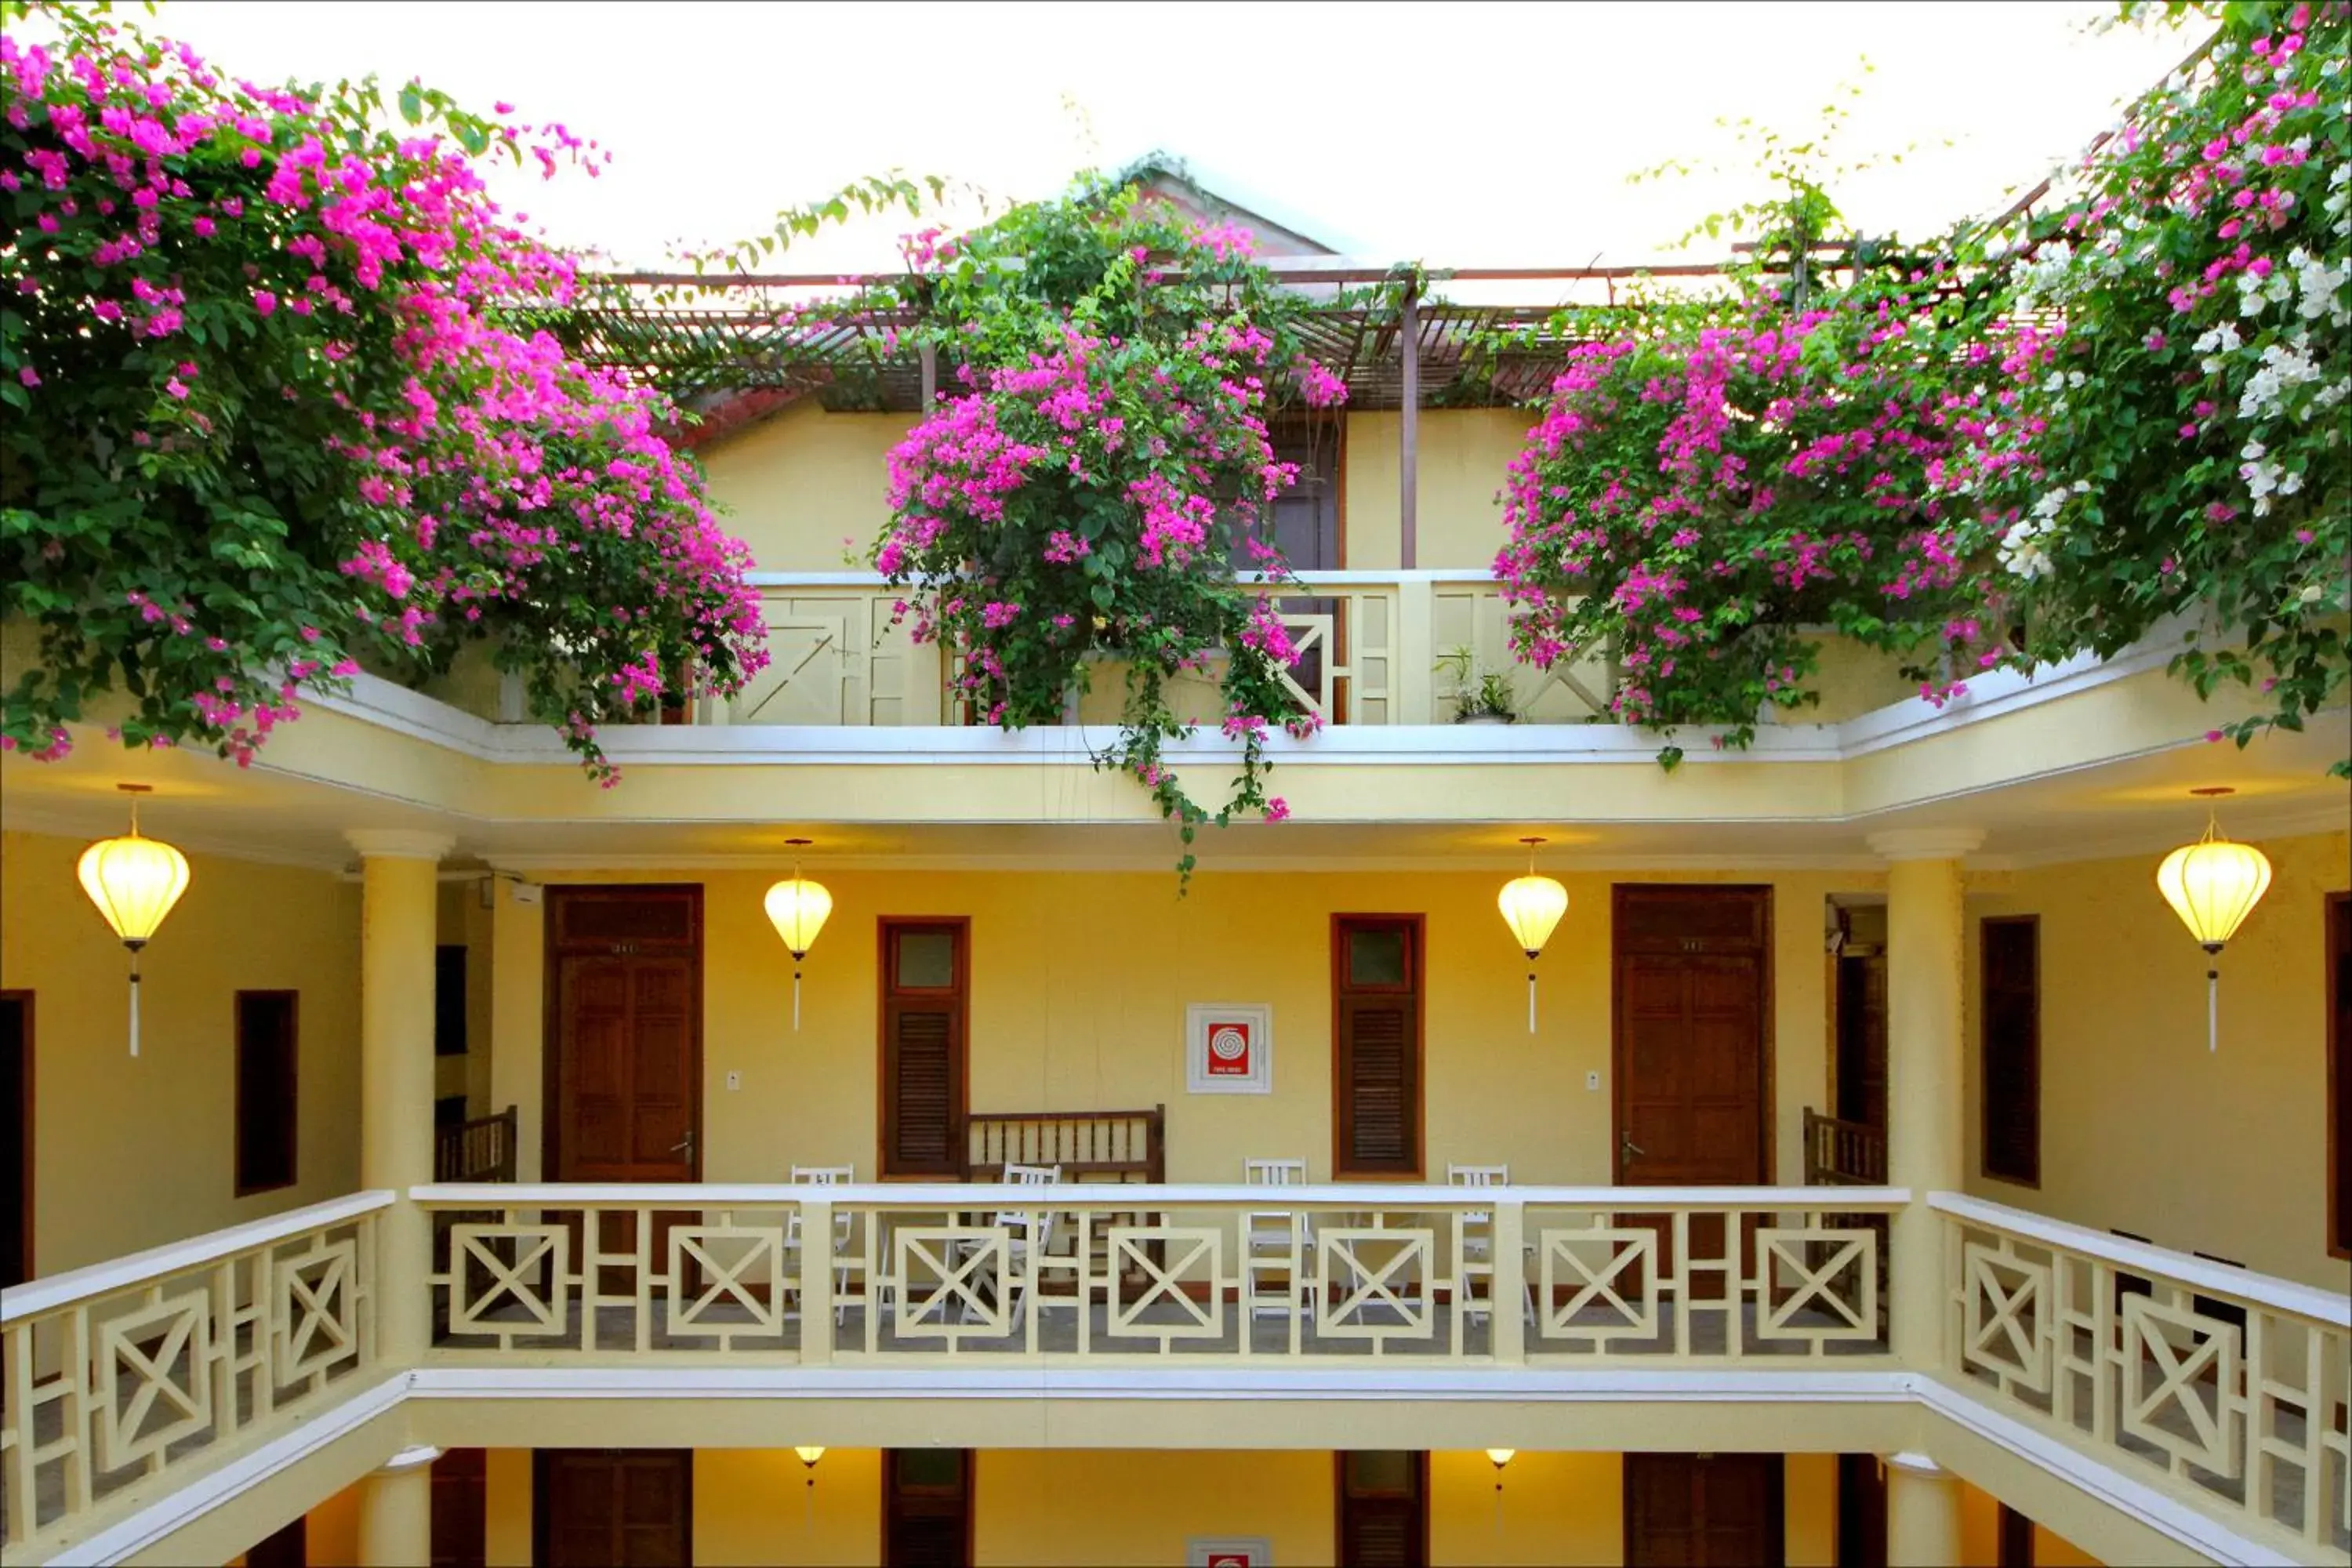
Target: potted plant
[[1481, 696]]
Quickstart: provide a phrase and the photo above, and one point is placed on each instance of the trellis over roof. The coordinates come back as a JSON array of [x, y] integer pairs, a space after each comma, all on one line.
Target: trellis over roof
[[716, 335], [732, 347]]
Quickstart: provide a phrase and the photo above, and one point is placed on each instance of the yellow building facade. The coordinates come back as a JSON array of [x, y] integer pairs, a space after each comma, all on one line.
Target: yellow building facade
[[1860, 1181]]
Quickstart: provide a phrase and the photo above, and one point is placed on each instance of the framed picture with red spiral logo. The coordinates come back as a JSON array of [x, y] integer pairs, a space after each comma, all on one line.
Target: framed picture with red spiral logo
[[1229, 1048]]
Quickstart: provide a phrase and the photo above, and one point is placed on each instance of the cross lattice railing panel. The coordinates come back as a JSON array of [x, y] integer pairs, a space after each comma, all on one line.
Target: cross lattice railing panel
[[1644, 1281], [1093, 1271], [168, 1362], [2231, 1383]]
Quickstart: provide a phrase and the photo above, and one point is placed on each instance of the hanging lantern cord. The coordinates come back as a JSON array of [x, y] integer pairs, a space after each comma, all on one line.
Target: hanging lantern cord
[[134, 947], [2213, 1002]]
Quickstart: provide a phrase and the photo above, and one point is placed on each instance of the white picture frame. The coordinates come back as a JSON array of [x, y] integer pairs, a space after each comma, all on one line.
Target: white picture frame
[[1229, 1048], [1203, 1550]]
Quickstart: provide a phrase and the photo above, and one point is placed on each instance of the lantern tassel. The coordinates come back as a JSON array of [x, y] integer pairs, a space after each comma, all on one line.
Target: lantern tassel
[[2213, 1012], [1531, 999], [134, 1003], [796, 996]]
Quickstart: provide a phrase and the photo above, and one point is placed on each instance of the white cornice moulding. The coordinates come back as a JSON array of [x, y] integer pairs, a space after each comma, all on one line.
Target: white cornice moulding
[[1927, 843], [399, 843]]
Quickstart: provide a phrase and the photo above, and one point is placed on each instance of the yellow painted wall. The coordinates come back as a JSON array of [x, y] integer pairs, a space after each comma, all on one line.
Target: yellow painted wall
[[1980, 1535], [1111, 1509], [1458, 521], [461, 921], [795, 485], [2142, 1129], [1080, 984], [506, 1509], [754, 1506], [332, 1531], [106, 1125]]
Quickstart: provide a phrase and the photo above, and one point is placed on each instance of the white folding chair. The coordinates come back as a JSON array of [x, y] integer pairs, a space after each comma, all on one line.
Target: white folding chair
[[1478, 1234], [1030, 1229], [1276, 1242], [825, 1176]]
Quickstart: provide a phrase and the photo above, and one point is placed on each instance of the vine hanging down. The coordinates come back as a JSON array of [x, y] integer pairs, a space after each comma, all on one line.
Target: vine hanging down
[[1097, 493]]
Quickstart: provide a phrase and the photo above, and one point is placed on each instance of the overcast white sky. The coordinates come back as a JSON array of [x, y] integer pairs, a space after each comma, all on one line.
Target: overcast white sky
[[1455, 133]]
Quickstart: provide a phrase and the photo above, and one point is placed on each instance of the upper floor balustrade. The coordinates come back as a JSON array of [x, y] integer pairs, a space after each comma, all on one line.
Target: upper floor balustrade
[[2220, 1390]]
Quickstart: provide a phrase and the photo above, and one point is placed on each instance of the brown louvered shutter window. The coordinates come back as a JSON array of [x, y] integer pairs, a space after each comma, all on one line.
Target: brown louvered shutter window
[[2010, 1014], [1376, 1009], [925, 1003], [928, 1494], [1383, 1509]]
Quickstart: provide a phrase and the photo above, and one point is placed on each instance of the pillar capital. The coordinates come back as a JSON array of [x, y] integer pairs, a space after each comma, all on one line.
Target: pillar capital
[[399, 843], [414, 1457], [1927, 843], [1912, 1463]]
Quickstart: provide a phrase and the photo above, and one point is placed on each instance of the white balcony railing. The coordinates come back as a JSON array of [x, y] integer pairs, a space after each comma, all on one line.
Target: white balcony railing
[[1565, 1276], [2225, 1391], [1370, 643], [123, 1377], [2231, 1386]]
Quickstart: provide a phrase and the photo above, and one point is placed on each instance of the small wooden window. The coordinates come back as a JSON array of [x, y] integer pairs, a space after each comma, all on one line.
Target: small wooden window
[[266, 1118], [926, 1006], [2340, 1072], [2011, 1019], [1383, 1508], [927, 1504], [450, 1000], [1376, 1020]]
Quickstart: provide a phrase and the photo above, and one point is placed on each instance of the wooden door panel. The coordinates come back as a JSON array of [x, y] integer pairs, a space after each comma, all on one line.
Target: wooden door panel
[[627, 1508], [1704, 1511]]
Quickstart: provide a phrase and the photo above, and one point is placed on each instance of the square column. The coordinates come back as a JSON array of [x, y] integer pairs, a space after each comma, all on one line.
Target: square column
[[398, 908], [1924, 968]]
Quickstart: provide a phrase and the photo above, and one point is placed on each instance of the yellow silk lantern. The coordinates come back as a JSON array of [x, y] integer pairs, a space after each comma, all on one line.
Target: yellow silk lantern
[[2213, 885], [797, 908], [134, 882], [1532, 906]]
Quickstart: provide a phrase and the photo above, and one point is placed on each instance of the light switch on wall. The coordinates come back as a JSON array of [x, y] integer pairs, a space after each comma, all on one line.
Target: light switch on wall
[[1592, 1080], [734, 1080]]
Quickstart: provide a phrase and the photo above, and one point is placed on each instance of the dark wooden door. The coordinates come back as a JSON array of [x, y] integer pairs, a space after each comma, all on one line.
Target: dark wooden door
[[1690, 1003], [1704, 1511], [927, 1496], [17, 1105], [625, 972], [1861, 1039], [1378, 967], [1690, 1068], [1861, 1511], [287, 1548], [1383, 1498], [926, 1016], [2339, 1073], [460, 1509], [612, 1507]]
